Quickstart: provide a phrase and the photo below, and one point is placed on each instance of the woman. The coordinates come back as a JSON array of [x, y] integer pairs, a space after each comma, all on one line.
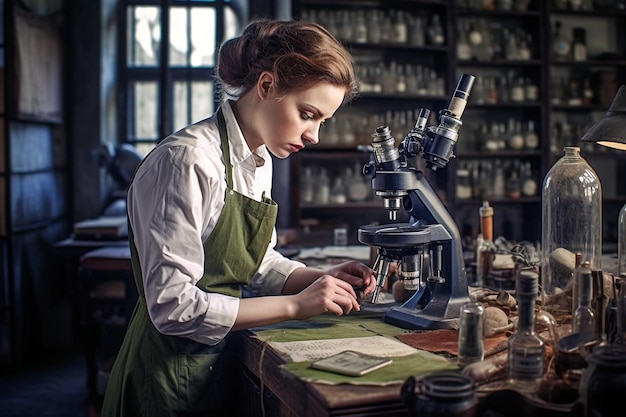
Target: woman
[[202, 226]]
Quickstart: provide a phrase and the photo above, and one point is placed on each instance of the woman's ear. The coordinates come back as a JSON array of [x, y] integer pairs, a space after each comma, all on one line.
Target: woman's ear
[[265, 84]]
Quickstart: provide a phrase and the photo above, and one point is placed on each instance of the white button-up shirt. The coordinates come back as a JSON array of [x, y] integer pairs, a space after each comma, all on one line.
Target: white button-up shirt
[[174, 202]]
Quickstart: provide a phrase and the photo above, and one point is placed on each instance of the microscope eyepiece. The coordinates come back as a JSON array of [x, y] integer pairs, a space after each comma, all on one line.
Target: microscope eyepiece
[[439, 145], [385, 149], [461, 95]]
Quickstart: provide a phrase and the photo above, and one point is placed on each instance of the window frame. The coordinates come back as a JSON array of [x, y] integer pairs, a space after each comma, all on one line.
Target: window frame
[[163, 74]]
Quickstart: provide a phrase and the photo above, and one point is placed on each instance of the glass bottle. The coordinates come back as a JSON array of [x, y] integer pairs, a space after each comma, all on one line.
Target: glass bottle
[[529, 183], [307, 192], [486, 250], [579, 45], [338, 192], [436, 35], [584, 319], [513, 186], [560, 44], [471, 341], [526, 348], [571, 221], [322, 190], [531, 139], [360, 28], [463, 48]]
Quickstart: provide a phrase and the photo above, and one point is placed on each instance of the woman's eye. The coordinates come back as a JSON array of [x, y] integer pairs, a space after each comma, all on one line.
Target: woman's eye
[[307, 116]]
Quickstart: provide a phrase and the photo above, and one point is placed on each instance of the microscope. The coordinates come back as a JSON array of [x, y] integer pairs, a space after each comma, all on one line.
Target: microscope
[[431, 235]]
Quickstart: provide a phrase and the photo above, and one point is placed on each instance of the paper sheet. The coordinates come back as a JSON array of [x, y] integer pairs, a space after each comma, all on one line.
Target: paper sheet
[[310, 350]]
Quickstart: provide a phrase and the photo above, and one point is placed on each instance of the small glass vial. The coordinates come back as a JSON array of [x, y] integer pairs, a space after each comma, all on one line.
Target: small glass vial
[[471, 331], [526, 349], [584, 319]]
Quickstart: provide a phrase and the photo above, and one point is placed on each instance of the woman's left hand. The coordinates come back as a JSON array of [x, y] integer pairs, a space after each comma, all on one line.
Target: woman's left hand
[[357, 274]]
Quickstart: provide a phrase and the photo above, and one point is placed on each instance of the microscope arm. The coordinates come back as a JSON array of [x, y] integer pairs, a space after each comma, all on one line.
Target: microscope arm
[[425, 207]]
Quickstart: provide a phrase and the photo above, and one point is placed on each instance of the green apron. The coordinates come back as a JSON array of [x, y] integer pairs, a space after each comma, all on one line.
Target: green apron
[[159, 375]]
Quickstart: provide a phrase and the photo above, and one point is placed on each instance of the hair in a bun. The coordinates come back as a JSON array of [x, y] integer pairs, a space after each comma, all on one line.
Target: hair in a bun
[[298, 54]]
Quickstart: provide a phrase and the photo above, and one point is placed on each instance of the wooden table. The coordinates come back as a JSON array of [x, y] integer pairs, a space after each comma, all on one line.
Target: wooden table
[[293, 397]]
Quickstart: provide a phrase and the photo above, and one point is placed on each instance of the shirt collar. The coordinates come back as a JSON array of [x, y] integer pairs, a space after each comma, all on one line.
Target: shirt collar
[[239, 149]]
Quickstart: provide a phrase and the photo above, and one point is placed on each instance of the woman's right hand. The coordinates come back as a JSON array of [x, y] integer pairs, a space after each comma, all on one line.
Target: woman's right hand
[[326, 294]]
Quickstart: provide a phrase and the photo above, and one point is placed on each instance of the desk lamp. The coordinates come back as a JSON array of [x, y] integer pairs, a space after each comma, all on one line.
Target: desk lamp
[[610, 131]]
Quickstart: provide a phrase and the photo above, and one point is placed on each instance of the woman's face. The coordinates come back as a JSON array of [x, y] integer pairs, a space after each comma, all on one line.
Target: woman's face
[[288, 122]]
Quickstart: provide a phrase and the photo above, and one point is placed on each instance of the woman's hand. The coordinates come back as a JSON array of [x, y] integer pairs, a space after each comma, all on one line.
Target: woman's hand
[[326, 294], [357, 274]]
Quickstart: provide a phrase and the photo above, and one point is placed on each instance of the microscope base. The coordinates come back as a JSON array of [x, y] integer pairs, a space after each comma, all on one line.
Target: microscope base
[[409, 318]]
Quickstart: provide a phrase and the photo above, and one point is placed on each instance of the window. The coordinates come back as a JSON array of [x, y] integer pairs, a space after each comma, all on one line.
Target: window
[[169, 52]]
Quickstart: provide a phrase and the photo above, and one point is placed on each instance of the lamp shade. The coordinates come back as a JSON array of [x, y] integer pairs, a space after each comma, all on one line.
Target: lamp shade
[[610, 131]]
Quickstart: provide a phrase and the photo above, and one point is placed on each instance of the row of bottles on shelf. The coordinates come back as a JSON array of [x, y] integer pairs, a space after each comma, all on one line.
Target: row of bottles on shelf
[[565, 48], [514, 135], [509, 88], [482, 40], [394, 78], [565, 132], [524, 5], [352, 129], [321, 185], [572, 91], [495, 179], [375, 26], [588, 5], [505, 5]]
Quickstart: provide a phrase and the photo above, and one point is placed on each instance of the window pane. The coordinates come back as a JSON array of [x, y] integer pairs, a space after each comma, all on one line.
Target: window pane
[[145, 109], [201, 100], [197, 51], [144, 148], [181, 118], [190, 110], [144, 36], [202, 37], [231, 23], [179, 42]]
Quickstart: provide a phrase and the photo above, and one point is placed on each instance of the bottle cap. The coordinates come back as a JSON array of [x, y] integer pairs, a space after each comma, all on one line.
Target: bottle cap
[[485, 210], [527, 283]]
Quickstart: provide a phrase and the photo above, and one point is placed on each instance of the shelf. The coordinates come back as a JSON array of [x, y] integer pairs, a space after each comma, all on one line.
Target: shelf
[[521, 154], [496, 201], [499, 63], [500, 72]]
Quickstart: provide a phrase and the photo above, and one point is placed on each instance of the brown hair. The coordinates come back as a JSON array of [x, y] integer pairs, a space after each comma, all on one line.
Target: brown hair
[[298, 54]]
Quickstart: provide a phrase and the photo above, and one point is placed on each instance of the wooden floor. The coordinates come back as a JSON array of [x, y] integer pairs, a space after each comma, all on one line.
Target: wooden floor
[[53, 385]]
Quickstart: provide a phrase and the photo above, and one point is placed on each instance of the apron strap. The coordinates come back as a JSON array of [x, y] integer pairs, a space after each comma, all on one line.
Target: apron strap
[[221, 122]]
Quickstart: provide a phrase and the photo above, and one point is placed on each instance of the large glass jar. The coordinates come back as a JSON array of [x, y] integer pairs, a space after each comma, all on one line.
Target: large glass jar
[[621, 244], [571, 226], [440, 394], [603, 382]]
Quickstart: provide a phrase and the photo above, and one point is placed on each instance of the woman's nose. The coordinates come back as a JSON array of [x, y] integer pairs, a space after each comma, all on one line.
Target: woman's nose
[[313, 137]]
